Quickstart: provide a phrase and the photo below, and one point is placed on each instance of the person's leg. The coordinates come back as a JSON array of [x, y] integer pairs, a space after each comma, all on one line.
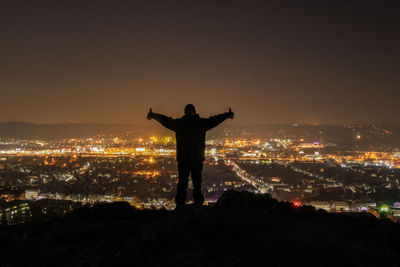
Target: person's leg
[[196, 169], [184, 171]]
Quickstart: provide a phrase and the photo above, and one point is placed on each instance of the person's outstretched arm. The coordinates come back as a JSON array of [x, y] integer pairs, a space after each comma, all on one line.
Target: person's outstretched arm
[[213, 121], [167, 122]]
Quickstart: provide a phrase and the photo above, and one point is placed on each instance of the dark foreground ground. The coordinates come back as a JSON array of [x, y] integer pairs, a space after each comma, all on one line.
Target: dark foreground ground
[[243, 229]]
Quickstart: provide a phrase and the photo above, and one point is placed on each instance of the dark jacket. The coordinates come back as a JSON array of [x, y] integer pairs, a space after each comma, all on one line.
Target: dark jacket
[[190, 133]]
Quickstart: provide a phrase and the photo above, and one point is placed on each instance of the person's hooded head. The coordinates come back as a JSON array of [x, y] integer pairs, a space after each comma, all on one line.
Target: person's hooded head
[[190, 110]]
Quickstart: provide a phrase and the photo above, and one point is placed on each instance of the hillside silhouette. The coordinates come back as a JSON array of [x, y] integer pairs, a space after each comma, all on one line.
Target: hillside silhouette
[[242, 229]]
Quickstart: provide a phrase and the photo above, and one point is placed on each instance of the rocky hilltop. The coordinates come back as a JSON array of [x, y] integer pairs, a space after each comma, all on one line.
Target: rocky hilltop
[[242, 229]]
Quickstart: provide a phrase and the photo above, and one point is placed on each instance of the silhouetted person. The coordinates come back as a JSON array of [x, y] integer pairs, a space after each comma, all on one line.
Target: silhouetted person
[[190, 131]]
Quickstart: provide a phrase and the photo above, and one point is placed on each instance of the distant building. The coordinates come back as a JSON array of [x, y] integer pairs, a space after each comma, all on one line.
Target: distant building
[[31, 194], [362, 206], [14, 212], [96, 198], [325, 205], [338, 206]]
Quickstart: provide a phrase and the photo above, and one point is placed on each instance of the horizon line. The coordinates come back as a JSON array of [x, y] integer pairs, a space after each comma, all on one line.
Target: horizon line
[[231, 124]]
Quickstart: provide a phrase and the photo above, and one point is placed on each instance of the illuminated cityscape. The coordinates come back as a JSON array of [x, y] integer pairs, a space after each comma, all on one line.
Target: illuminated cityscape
[[200, 133], [141, 170]]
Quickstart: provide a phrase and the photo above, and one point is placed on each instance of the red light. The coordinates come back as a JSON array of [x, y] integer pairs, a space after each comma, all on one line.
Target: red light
[[296, 204]]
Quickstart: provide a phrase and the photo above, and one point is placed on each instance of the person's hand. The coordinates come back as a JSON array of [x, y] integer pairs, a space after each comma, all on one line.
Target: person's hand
[[150, 114], [230, 114]]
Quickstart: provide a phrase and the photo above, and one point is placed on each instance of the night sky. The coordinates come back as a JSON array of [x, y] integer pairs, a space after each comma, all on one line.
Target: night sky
[[325, 62]]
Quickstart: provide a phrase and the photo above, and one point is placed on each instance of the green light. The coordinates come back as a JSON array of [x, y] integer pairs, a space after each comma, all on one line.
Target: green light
[[384, 208]]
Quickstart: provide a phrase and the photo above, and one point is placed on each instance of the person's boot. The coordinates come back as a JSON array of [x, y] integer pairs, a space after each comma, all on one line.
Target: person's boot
[[198, 197]]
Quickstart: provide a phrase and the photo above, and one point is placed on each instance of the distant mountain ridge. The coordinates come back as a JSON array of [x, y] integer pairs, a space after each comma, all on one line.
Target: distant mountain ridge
[[370, 134], [60, 130]]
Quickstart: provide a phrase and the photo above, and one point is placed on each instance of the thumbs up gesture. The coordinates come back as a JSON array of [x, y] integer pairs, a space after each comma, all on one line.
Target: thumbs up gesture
[[150, 114], [230, 114]]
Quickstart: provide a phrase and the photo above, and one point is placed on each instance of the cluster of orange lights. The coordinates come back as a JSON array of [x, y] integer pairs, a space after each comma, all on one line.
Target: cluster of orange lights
[[148, 174]]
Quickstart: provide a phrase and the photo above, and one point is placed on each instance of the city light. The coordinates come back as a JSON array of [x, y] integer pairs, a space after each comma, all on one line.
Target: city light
[[296, 204], [384, 208]]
